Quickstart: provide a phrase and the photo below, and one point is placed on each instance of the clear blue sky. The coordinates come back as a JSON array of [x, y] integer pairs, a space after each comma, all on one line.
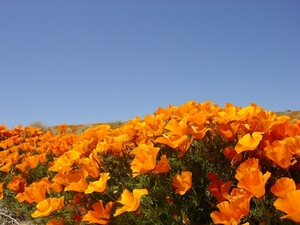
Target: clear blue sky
[[80, 62]]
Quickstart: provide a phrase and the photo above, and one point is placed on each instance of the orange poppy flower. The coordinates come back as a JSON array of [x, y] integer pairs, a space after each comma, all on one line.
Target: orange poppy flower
[[248, 142], [227, 214], [98, 186], [227, 114], [65, 162], [254, 182], [282, 186], [245, 167], [31, 162], [91, 166], [226, 132], [280, 153], [144, 160], [154, 124], [100, 215], [131, 202], [47, 206], [289, 205], [182, 182], [1, 190], [76, 180], [197, 124], [178, 128], [163, 165], [36, 192], [295, 143], [181, 142], [7, 160], [17, 184], [240, 199]]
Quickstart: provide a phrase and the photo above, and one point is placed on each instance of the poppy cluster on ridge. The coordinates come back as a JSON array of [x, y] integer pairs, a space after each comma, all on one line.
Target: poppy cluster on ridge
[[257, 144]]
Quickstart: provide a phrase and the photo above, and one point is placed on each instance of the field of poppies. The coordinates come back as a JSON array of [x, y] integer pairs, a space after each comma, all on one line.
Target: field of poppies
[[196, 163]]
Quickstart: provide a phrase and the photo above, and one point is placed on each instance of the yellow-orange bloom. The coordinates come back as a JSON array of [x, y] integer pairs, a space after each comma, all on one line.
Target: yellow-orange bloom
[[64, 162], [282, 186], [98, 186], [163, 165], [144, 160], [289, 205], [131, 202], [182, 182], [100, 215], [47, 206], [248, 142]]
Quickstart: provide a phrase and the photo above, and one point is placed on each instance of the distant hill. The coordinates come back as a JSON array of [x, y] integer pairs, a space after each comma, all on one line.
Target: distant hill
[[79, 128]]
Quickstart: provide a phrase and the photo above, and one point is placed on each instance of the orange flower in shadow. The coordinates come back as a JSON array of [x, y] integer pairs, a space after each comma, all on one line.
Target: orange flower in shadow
[[182, 182], [212, 177], [131, 202], [218, 189], [100, 215], [47, 206], [163, 165], [227, 132], [56, 221], [17, 184], [232, 155]]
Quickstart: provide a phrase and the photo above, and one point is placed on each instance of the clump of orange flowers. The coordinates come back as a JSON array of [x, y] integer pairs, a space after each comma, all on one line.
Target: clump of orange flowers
[[196, 163]]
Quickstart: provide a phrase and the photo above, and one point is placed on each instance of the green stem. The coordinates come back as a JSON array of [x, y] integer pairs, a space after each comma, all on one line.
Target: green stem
[[264, 208], [110, 197]]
